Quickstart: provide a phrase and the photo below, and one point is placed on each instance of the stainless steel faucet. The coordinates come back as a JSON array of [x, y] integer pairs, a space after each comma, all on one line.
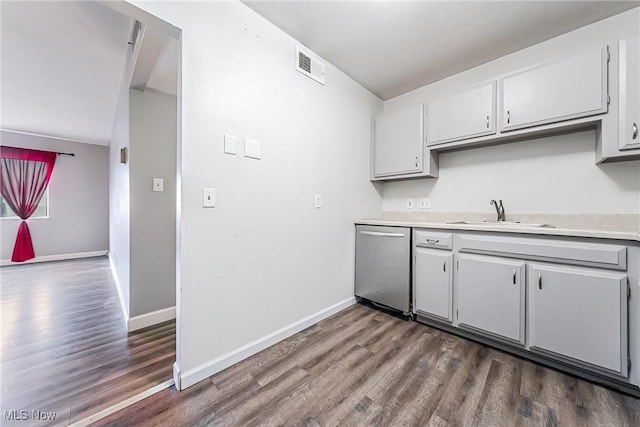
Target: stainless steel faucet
[[499, 209]]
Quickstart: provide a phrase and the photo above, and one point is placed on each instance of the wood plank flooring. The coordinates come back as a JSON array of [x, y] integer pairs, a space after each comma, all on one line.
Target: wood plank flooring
[[65, 348], [364, 367]]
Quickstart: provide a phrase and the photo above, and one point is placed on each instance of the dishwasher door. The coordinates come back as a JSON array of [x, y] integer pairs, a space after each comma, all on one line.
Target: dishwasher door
[[383, 263]]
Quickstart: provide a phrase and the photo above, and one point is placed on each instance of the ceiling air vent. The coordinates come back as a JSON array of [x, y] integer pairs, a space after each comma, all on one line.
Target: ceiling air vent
[[309, 65]]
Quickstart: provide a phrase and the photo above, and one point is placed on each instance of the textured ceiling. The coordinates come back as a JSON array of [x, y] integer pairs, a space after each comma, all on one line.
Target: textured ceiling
[[62, 64], [392, 47]]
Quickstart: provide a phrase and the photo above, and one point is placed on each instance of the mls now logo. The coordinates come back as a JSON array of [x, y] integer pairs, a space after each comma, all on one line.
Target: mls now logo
[[23, 415]]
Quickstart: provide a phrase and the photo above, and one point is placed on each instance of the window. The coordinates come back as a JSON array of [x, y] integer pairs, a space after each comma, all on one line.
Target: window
[[42, 211]]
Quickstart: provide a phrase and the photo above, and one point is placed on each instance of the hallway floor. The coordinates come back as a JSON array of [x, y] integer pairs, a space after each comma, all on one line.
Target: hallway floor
[[65, 348]]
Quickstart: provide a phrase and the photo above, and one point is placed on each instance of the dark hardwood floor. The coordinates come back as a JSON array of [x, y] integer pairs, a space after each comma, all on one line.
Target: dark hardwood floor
[[65, 348], [364, 367]]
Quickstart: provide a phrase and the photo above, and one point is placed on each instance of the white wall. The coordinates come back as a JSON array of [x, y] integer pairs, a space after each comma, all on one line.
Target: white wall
[[78, 200], [264, 258], [142, 242], [119, 209], [152, 140], [551, 175], [556, 174]]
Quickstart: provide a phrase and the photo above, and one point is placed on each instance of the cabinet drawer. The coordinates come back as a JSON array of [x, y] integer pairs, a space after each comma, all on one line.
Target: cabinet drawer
[[432, 239], [569, 252]]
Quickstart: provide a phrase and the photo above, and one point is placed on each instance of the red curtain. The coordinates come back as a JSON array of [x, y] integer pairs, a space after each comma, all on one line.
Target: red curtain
[[24, 180]]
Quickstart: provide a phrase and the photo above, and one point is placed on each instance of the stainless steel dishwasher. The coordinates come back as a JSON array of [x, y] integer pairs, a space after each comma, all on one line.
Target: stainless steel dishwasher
[[383, 264]]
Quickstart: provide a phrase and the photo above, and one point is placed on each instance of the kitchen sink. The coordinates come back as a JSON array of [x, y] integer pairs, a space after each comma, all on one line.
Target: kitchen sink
[[503, 224]]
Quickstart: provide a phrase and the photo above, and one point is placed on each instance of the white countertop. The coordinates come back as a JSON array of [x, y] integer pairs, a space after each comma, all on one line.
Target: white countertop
[[619, 227]]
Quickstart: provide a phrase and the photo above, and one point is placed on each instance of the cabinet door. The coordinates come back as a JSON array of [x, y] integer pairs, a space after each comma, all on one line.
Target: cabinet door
[[579, 313], [464, 115], [563, 90], [433, 283], [629, 80], [491, 295], [398, 142]]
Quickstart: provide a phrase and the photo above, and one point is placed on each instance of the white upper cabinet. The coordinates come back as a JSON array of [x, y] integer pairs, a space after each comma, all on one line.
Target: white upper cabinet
[[464, 115], [563, 90], [579, 313], [398, 147], [629, 100], [398, 142]]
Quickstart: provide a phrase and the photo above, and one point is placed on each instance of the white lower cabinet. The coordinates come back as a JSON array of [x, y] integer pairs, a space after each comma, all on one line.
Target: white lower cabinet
[[565, 301], [433, 283], [491, 295], [579, 313]]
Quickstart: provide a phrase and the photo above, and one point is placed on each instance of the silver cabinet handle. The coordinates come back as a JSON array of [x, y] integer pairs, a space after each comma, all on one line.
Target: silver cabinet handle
[[444, 266], [432, 241], [634, 134], [539, 280], [380, 234], [508, 116], [514, 277], [487, 122]]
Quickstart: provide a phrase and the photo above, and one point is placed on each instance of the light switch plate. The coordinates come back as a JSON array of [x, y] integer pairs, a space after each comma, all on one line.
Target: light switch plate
[[158, 184], [229, 144], [252, 149], [425, 203], [208, 197], [409, 203]]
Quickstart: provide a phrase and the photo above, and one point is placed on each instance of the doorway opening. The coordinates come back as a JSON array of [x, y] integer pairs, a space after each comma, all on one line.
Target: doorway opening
[[91, 321]]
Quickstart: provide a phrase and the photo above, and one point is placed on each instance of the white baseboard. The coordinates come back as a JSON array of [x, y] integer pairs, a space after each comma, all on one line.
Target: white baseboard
[[176, 375], [60, 257], [123, 306], [150, 319], [199, 373], [122, 405]]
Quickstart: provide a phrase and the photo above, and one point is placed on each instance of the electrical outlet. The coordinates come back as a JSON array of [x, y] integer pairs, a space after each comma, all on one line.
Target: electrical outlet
[[409, 203], [425, 203], [208, 198], [158, 184], [318, 201]]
